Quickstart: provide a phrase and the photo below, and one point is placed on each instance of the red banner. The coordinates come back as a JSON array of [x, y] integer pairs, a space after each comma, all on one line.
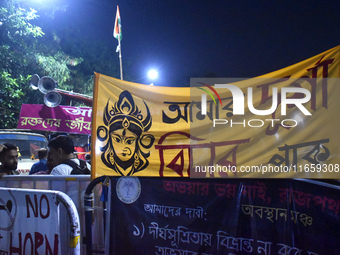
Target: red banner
[[67, 119]]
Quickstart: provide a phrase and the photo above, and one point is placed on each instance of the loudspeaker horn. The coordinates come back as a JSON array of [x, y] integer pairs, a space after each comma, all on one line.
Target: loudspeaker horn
[[46, 84], [34, 81], [52, 99]]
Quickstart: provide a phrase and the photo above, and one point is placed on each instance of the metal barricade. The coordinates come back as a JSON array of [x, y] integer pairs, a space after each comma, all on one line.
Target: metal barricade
[[74, 186], [89, 210], [31, 222]]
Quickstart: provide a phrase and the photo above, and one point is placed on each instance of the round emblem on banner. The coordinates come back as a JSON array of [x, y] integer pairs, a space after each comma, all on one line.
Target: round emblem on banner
[[128, 189]]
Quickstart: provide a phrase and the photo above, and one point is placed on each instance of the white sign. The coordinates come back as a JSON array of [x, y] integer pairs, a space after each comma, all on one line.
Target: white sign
[[29, 222]]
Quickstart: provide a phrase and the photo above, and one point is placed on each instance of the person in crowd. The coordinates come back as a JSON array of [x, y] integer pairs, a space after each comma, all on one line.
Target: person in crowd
[[50, 165], [8, 159], [61, 153], [42, 164], [88, 158]]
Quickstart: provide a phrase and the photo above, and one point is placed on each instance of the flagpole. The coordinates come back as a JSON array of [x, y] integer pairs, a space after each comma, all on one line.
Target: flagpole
[[117, 33], [120, 58]]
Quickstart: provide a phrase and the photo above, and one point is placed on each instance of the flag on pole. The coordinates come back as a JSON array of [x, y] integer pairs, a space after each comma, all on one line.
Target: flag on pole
[[117, 31]]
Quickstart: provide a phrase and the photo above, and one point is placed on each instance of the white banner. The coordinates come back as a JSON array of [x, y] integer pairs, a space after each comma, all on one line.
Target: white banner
[[29, 222]]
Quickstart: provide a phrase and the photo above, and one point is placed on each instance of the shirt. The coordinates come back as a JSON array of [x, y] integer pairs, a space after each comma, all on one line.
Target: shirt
[[64, 169], [39, 166], [13, 172]]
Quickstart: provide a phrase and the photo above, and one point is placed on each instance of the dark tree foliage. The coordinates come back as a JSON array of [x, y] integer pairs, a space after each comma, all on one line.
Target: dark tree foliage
[[16, 35], [28, 45]]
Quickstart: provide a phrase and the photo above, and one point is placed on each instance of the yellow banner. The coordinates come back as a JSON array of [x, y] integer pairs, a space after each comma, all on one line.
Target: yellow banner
[[280, 125]]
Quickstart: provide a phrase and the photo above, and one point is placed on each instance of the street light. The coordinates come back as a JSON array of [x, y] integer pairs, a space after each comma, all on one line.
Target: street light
[[153, 74]]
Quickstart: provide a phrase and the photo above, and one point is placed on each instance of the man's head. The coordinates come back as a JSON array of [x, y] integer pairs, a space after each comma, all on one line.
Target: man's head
[[61, 148], [9, 158], [42, 153]]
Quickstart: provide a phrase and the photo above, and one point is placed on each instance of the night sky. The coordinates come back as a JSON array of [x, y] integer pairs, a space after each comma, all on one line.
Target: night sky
[[186, 39]]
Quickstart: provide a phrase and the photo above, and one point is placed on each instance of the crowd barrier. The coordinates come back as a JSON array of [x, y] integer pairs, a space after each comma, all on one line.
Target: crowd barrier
[[146, 215], [31, 223], [74, 187]]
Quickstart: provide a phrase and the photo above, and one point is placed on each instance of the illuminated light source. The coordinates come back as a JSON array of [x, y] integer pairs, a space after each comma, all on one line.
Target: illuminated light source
[[153, 74]]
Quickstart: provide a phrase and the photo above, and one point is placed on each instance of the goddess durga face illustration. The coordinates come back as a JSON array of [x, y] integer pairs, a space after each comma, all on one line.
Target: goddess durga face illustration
[[126, 150]]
